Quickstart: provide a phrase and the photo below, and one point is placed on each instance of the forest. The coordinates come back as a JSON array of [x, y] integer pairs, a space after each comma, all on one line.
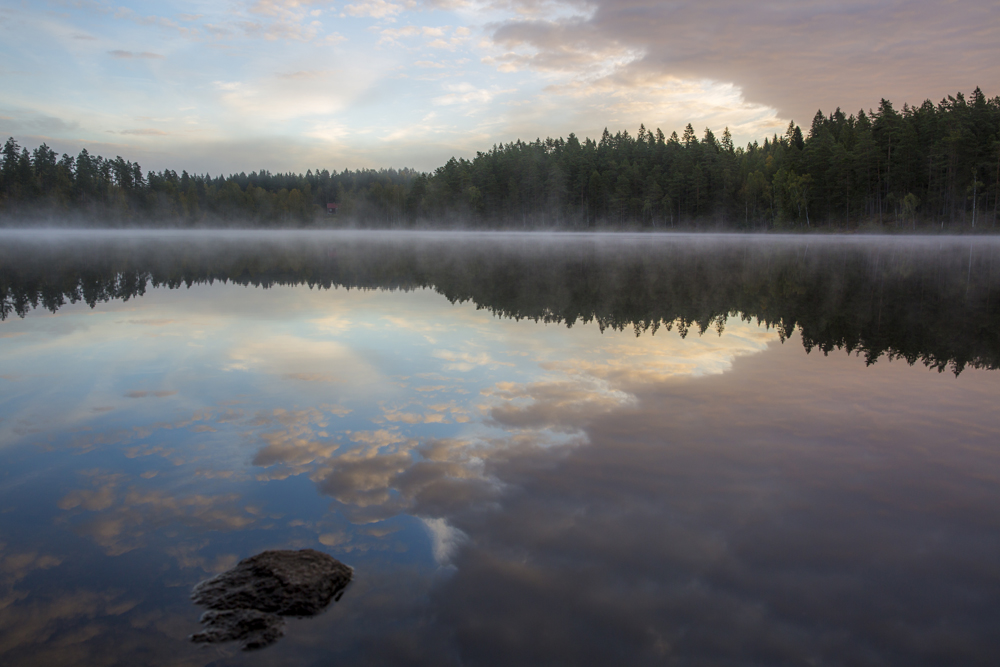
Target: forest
[[932, 166]]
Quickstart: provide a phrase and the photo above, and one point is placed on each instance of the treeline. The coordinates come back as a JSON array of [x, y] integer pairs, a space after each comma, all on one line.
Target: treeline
[[94, 190], [928, 302], [933, 164]]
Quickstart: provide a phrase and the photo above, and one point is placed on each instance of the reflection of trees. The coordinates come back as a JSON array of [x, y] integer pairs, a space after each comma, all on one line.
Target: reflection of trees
[[918, 300]]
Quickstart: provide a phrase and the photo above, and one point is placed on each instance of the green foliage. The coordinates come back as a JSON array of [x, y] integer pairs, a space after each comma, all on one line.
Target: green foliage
[[928, 165]]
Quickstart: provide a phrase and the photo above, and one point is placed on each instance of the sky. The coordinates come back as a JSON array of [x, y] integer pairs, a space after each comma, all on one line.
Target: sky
[[291, 85]]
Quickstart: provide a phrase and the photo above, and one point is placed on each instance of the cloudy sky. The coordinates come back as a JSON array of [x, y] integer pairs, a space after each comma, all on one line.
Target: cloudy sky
[[296, 84]]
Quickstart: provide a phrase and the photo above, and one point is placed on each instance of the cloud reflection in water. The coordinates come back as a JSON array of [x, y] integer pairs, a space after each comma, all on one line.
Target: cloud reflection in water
[[596, 498]]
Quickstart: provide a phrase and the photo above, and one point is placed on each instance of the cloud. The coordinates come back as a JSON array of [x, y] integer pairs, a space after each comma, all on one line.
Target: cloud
[[137, 393], [153, 322], [159, 21], [296, 8], [466, 361], [16, 566], [57, 625], [566, 405], [118, 519], [302, 360], [289, 20], [436, 33], [309, 377], [398, 415], [21, 121], [430, 479], [788, 55], [129, 55], [295, 440], [334, 539], [629, 363], [393, 35], [89, 499], [297, 443], [279, 30], [377, 9], [571, 47], [304, 75], [466, 94], [445, 539], [146, 131], [364, 482], [218, 31]]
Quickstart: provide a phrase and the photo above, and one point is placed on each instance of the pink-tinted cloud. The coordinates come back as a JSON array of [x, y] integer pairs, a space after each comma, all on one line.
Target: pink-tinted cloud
[[793, 55]]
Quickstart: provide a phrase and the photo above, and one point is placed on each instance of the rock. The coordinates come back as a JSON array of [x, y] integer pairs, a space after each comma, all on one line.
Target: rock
[[246, 603], [288, 583], [252, 628]]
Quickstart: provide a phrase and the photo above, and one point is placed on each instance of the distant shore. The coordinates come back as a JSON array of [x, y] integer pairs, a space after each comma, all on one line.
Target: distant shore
[[928, 169]]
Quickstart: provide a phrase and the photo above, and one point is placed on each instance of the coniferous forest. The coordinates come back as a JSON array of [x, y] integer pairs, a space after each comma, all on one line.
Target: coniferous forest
[[933, 166]]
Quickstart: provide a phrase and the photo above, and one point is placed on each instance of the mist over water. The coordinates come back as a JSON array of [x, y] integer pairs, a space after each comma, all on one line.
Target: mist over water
[[531, 448], [874, 295]]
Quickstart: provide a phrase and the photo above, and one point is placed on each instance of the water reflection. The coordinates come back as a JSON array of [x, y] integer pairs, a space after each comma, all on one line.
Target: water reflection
[[775, 514], [507, 490], [927, 299]]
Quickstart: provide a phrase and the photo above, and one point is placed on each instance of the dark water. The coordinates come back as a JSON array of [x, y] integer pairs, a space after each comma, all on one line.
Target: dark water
[[531, 449]]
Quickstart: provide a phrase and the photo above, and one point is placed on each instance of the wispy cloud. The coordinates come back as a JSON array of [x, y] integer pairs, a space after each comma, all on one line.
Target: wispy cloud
[[158, 21], [129, 55], [377, 9], [137, 393], [280, 30], [466, 94], [466, 361]]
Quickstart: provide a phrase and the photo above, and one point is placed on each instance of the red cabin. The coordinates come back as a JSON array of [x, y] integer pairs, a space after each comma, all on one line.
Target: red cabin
[[331, 208]]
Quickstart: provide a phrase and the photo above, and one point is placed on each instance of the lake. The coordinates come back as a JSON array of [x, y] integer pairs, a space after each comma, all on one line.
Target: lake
[[533, 449]]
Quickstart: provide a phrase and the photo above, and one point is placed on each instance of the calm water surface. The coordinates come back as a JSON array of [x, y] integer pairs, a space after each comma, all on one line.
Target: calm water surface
[[532, 450]]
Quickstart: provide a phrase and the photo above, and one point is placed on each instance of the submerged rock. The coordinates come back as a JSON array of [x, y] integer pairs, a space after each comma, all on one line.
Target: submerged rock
[[252, 628], [247, 602]]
